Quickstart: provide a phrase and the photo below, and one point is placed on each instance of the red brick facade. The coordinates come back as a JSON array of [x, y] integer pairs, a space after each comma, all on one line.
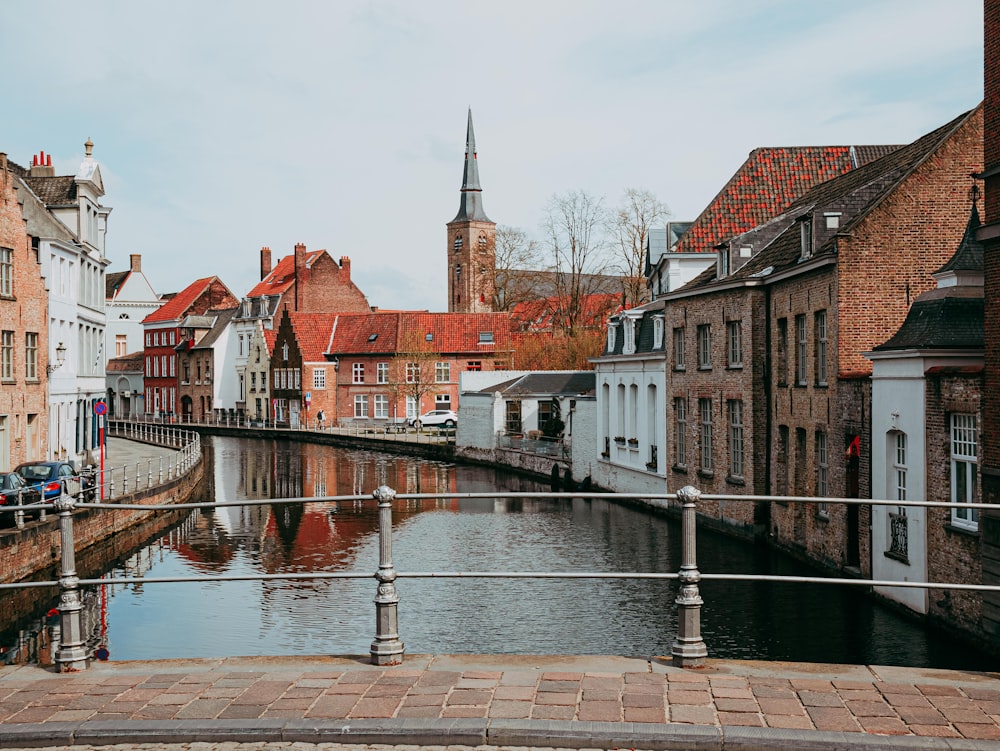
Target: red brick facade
[[24, 342]]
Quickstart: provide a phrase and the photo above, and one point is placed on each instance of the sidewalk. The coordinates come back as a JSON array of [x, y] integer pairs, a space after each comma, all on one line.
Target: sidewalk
[[500, 700]]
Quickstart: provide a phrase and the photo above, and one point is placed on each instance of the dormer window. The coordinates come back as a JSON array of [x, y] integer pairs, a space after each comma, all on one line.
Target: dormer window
[[485, 337], [611, 336], [628, 346], [658, 326], [723, 261], [806, 236]]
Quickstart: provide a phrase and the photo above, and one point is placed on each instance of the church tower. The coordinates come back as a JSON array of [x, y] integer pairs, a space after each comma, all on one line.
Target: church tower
[[471, 243]]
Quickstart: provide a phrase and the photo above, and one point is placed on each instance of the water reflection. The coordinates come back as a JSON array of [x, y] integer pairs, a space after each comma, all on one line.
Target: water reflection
[[630, 617]]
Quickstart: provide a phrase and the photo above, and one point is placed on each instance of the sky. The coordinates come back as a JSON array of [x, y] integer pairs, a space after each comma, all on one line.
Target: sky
[[222, 126]]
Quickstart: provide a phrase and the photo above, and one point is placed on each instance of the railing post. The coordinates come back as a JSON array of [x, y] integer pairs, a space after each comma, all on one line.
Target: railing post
[[159, 479], [688, 649], [71, 656], [387, 649]]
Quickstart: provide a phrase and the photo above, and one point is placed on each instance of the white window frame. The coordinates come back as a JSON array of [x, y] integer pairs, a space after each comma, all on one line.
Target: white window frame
[[736, 467], [442, 372], [680, 362], [821, 347], [704, 346], [31, 355], [382, 372], [412, 372], [358, 372], [319, 378], [380, 406], [964, 435], [7, 272], [734, 331], [361, 406], [822, 472], [705, 418], [800, 350], [680, 431]]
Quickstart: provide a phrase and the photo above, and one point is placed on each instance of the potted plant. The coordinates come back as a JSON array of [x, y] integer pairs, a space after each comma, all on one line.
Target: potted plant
[[620, 440], [633, 442]]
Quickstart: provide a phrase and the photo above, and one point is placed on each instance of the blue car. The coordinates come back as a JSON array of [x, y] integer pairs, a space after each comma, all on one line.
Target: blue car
[[51, 478]]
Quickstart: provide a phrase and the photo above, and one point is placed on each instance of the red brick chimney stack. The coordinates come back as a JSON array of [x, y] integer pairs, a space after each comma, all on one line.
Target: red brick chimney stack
[[300, 274], [135, 262], [265, 262], [345, 267]]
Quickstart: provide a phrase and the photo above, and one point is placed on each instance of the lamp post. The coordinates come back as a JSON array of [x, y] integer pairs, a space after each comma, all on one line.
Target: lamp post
[[336, 383]]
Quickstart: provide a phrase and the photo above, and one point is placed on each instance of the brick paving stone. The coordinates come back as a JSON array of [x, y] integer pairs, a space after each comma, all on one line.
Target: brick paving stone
[[736, 705], [127, 707], [854, 685], [463, 711], [33, 714], [693, 715], [71, 715], [519, 678], [552, 712], [244, 675], [870, 709], [483, 675], [555, 698], [204, 709], [511, 710], [770, 691], [435, 678], [233, 683], [884, 725], [470, 696], [733, 692], [161, 712], [781, 706], [562, 676], [138, 694], [937, 689], [602, 680], [367, 676], [686, 678], [833, 718], [600, 711], [789, 722], [385, 690], [419, 712], [281, 714], [859, 694], [728, 681], [951, 702], [678, 696], [645, 714], [642, 700], [221, 693], [989, 694], [476, 683], [989, 707], [957, 716], [263, 692], [335, 707], [820, 699], [324, 675], [921, 716], [979, 732], [374, 708], [811, 684], [907, 700], [896, 688], [351, 689], [558, 686], [598, 694], [170, 699], [746, 719], [89, 702], [294, 705], [424, 700], [934, 731], [302, 692], [517, 693], [638, 678]]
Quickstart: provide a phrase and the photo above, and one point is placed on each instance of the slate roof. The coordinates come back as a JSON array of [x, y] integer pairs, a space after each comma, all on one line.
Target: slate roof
[[969, 256], [177, 306], [53, 191], [113, 281], [126, 363], [282, 276], [767, 182], [221, 319], [777, 242], [581, 383]]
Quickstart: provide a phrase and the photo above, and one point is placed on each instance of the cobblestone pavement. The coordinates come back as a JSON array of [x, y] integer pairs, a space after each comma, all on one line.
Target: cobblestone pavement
[[503, 701]]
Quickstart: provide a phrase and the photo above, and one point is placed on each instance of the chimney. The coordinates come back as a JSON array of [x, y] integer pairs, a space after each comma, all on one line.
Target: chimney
[[345, 267], [41, 165], [265, 262], [136, 262], [300, 274]]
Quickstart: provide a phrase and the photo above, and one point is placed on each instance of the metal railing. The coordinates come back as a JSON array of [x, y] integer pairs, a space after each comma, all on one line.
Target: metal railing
[[533, 444], [121, 480], [688, 648]]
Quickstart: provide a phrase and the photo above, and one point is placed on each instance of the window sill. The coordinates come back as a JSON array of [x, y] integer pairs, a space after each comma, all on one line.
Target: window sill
[[821, 385], [735, 366], [736, 481], [680, 368], [679, 469], [704, 367], [966, 531], [822, 517], [706, 473], [897, 557]]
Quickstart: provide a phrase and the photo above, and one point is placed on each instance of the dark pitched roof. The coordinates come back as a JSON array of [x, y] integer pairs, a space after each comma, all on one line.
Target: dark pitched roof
[[949, 318], [222, 318], [54, 191], [766, 183], [969, 256], [581, 383], [470, 207], [113, 281]]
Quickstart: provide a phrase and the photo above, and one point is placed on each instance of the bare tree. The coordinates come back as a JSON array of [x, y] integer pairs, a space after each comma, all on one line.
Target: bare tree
[[516, 256], [575, 227], [413, 368], [638, 212]]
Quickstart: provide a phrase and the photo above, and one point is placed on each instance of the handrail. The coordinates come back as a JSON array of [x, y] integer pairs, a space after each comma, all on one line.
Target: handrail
[[688, 648]]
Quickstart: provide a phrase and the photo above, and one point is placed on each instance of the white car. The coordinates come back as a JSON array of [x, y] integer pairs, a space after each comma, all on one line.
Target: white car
[[437, 417]]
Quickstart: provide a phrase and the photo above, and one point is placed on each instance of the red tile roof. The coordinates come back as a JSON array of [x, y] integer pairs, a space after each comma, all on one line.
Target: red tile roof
[[767, 183], [282, 275], [540, 315], [176, 308]]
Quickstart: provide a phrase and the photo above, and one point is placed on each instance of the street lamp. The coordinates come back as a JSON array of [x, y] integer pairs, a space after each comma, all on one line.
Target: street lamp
[[60, 359]]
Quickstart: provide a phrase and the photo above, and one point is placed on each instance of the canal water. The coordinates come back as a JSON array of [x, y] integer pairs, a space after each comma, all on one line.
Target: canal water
[[740, 620]]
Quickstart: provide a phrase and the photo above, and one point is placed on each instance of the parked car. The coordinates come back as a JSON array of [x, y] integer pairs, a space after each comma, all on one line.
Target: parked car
[[437, 417], [13, 485], [51, 478]]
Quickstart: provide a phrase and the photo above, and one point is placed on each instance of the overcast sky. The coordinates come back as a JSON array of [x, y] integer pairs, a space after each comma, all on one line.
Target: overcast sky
[[222, 126]]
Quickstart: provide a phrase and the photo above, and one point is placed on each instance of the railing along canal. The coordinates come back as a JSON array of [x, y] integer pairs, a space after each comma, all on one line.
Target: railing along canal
[[688, 648]]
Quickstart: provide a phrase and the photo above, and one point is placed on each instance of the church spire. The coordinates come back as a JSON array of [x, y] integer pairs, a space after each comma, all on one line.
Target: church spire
[[470, 208]]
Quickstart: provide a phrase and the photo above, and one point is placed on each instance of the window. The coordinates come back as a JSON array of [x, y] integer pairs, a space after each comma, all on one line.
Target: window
[[898, 526], [782, 353], [358, 372], [819, 324], [381, 406], [239, 351], [964, 479], [31, 356], [186, 371], [705, 410], [680, 432], [781, 462], [319, 378], [156, 338], [382, 372], [474, 365], [512, 417], [486, 337], [800, 350], [657, 332], [822, 472], [679, 362], [899, 468], [149, 339], [121, 345], [6, 272], [173, 335], [442, 401], [806, 236], [735, 438], [734, 330], [442, 372], [612, 328], [361, 405], [628, 346], [412, 372], [800, 462], [705, 346], [253, 380], [458, 242]]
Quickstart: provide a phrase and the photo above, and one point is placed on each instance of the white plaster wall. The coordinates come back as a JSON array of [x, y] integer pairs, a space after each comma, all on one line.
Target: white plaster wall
[[476, 421]]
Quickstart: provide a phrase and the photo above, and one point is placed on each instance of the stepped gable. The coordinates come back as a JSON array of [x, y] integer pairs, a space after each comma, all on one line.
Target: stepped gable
[[282, 276], [768, 181]]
